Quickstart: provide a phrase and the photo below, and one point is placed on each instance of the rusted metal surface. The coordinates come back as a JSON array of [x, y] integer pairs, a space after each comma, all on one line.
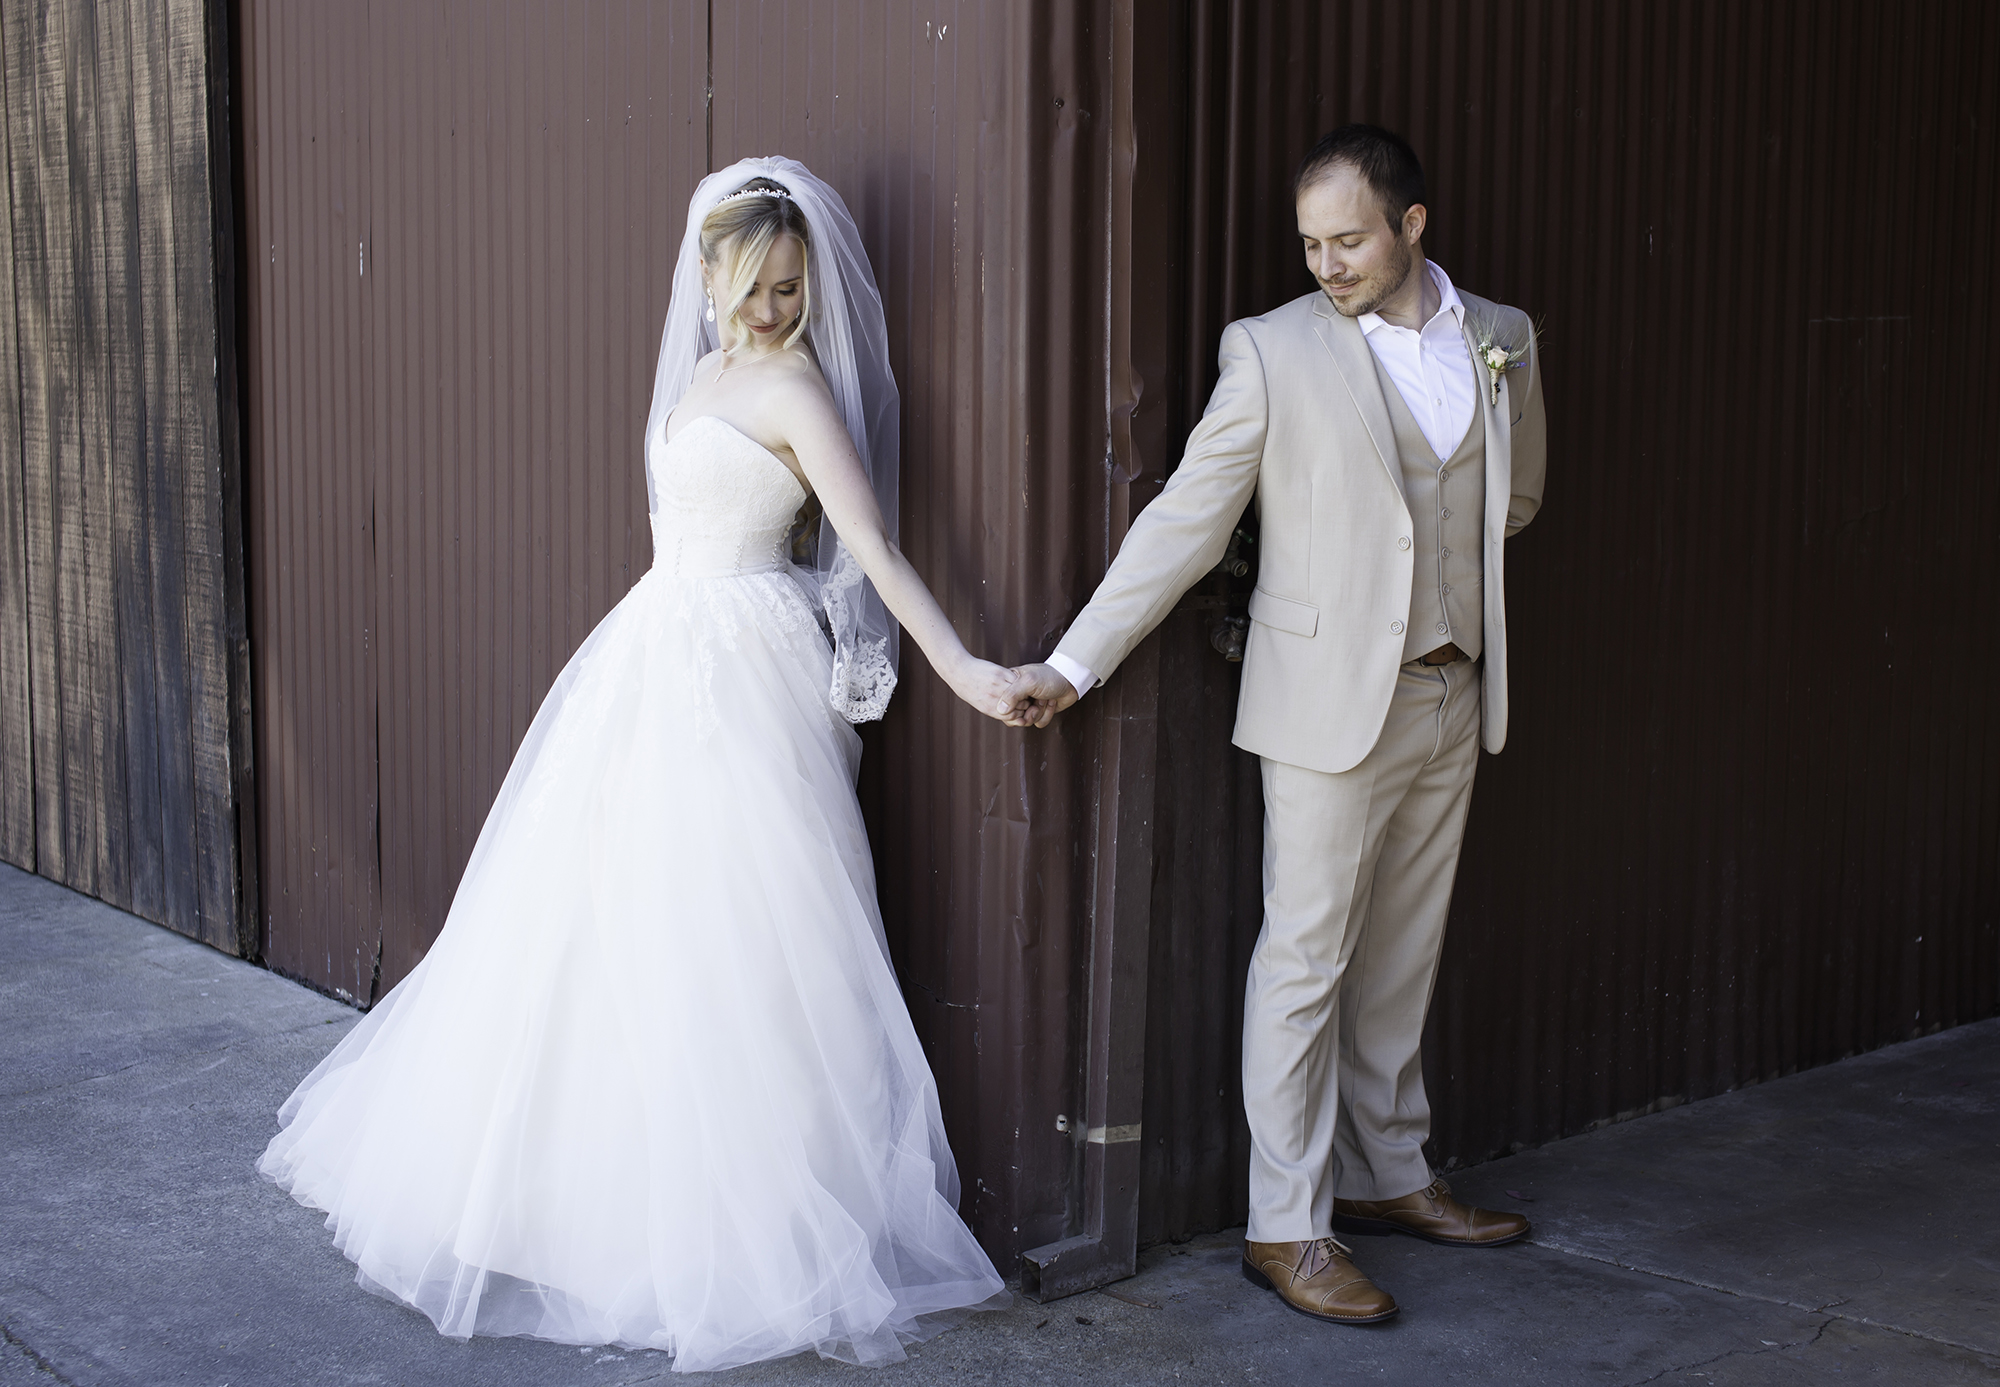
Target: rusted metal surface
[[969, 140], [1748, 818], [466, 219], [1731, 803], [304, 115], [124, 703], [465, 236]]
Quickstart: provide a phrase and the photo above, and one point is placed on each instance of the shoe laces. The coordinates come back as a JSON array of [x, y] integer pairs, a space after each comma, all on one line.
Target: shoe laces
[[1319, 1254]]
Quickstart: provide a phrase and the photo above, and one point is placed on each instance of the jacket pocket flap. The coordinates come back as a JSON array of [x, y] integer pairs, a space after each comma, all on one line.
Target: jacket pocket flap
[[1269, 609]]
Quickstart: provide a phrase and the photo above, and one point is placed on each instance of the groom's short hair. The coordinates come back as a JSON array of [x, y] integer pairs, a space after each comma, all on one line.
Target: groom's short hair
[[1383, 158]]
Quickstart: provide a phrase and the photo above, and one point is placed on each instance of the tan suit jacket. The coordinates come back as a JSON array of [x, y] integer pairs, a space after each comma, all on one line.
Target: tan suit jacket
[[1298, 420]]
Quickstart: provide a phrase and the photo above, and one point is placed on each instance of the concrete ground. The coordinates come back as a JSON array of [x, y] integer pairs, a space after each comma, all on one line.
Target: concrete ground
[[1842, 1225]]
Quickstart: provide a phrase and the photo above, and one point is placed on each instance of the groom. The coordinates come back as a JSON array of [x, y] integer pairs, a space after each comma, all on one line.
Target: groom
[[1390, 429]]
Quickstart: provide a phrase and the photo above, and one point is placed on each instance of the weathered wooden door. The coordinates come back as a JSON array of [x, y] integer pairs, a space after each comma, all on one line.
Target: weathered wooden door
[[124, 673]]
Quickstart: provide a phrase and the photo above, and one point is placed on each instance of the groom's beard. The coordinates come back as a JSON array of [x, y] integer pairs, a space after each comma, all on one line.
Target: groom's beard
[[1376, 288]]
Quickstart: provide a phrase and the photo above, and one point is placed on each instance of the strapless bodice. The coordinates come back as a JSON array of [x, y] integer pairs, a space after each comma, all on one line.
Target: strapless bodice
[[723, 503]]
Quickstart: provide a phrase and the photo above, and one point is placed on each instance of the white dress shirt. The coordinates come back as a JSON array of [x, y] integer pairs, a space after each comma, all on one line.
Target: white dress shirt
[[1431, 366], [1433, 372]]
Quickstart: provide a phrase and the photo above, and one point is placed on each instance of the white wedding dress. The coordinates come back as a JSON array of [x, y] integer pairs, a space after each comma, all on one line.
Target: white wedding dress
[[655, 1085]]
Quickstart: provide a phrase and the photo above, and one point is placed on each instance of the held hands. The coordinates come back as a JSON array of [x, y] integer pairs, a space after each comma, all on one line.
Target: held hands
[[1040, 693], [988, 687], [1029, 696]]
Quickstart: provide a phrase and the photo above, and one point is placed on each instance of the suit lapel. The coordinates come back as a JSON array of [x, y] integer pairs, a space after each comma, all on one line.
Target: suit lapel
[[1348, 346], [1499, 427]]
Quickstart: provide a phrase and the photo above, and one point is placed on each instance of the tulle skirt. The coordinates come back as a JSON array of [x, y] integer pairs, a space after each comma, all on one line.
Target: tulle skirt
[[655, 1085]]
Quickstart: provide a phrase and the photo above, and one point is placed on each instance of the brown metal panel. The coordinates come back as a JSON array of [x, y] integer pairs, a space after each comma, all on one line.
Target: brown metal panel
[[1745, 821], [447, 383], [939, 126], [471, 400], [529, 202], [1675, 881], [974, 145], [304, 112]]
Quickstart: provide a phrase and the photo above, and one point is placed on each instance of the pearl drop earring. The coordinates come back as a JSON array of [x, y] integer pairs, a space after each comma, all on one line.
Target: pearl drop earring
[[711, 304]]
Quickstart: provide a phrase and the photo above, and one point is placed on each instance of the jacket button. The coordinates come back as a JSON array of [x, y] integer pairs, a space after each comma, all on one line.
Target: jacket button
[[1403, 543], [1395, 628]]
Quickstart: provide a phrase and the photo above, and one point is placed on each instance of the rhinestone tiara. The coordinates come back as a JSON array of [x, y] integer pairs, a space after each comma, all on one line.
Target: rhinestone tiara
[[753, 192]]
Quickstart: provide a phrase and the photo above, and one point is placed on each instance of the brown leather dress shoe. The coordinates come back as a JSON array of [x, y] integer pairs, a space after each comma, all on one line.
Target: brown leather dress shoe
[[1431, 1214], [1315, 1278]]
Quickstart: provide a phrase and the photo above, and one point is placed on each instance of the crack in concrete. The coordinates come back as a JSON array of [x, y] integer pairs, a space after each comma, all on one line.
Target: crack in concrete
[[1737, 1353], [40, 1362], [1828, 1309]]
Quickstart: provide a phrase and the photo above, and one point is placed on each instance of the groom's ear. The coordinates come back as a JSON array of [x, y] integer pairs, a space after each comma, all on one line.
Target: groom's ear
[[1415, 218]]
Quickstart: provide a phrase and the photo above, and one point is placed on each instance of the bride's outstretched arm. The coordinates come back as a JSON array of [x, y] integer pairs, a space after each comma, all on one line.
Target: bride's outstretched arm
[[826, 454]]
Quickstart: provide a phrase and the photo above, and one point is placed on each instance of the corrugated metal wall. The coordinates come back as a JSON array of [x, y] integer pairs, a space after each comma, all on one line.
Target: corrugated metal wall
[[124, 691], [464, 235], [978, 199], [464, 219], [1748, 819], [1730, 804]]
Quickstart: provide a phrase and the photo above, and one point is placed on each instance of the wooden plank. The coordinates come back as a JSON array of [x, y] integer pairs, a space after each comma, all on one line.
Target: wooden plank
[[38, 154], [168, 447], [166, 465], [135, 549], [197, 350], [93, 715], [115, 638], [231, 495], [17, 755]]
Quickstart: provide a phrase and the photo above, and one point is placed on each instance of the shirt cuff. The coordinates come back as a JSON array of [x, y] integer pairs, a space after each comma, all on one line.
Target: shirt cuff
[[1080, 678]]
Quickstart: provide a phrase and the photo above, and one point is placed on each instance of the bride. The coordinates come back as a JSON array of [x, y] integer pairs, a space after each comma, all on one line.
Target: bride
[[655, 1085]]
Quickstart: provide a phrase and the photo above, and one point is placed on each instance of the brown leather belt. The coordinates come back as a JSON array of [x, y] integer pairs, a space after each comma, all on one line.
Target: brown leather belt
[[1446, 654]]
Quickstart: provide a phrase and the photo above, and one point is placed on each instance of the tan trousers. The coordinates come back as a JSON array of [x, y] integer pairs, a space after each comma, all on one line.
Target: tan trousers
[[1358, 869]]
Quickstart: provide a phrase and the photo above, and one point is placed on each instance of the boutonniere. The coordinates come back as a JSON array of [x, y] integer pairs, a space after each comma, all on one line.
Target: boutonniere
[[1497, 356]]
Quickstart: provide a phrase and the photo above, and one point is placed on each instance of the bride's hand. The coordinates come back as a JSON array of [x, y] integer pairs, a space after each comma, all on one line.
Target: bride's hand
[[988, 687], [1039, 694]]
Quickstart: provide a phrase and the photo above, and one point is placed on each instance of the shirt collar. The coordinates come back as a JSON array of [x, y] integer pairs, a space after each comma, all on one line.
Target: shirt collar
[[1449, 302]]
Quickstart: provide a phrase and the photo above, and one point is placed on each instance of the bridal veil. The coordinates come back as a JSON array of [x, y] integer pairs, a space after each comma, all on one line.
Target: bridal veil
[[850, 337]]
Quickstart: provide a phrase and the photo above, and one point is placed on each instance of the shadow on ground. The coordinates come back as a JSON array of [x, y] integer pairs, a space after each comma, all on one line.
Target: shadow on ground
[[1842, 1225]]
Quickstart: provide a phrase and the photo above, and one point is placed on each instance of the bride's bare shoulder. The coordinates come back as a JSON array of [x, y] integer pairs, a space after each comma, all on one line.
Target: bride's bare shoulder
[[796, 375]]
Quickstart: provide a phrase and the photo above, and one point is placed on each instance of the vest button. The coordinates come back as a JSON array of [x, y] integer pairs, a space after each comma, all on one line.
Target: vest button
[[1443, 629], [1403, 543], [1395, 628]]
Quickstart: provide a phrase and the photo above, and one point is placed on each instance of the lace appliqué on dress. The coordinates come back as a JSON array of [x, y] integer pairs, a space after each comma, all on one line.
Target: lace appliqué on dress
[[717, 612]]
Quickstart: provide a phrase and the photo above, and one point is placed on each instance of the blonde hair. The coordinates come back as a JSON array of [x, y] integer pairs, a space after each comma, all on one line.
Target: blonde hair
[[736, 235]]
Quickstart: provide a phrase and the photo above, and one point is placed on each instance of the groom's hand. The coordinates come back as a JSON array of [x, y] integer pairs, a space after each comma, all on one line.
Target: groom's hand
[[1039, 694]]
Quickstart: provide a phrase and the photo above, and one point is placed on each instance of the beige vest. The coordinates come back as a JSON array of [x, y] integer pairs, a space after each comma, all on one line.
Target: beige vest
[[1447, 508]]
